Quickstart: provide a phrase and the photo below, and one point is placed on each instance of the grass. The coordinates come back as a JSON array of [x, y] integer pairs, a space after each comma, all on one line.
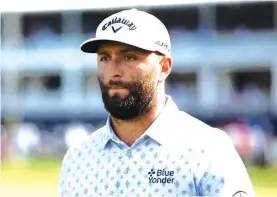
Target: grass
[[32, 179], [263, 177], [40, 179]]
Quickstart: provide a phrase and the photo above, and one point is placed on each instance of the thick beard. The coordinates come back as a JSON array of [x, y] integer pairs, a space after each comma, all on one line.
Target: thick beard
[[137, 103]]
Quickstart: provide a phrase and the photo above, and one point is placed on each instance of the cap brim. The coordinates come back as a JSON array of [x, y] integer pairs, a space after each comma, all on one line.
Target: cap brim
[[92, 45]]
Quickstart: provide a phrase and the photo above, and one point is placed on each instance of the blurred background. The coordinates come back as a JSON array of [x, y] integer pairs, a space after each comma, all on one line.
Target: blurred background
[[224, 73]]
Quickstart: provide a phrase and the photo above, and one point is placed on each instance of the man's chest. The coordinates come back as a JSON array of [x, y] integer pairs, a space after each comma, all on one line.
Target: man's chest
[[135, 173]]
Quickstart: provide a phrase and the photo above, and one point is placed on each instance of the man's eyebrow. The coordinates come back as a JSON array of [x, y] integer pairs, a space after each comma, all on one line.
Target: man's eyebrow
[[125, 50], [134, 50], [103, 53], [128, 50]]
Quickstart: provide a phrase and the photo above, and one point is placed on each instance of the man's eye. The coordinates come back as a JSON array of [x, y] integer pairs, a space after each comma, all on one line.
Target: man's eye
[[103, 58], [129, 58]]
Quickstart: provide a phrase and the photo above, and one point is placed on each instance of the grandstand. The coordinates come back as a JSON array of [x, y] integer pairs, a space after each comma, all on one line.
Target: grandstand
[[225, 62], [219, 52]]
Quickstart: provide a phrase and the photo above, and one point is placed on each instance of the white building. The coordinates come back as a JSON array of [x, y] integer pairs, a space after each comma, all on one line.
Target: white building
[[217, 51]]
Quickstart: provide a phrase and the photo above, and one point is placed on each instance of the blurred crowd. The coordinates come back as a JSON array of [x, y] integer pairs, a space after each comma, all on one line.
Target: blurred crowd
[[251, 94], [253, 138]]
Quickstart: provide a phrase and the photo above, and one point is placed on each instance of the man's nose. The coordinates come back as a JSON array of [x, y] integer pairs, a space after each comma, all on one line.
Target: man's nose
[[115, 68]]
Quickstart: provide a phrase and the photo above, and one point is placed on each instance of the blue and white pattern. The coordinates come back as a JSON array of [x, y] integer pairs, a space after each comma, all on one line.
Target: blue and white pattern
[[177, 156]]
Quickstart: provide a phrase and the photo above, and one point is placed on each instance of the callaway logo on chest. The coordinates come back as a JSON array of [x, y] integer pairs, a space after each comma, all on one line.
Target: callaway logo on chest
[[123, 21]]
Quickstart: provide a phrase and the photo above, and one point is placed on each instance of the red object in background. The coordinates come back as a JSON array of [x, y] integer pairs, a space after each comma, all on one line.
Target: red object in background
[[243, 138], [240, 132]]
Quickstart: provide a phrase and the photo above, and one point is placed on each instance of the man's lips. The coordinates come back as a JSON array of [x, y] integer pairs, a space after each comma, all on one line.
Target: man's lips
[[117, 87]]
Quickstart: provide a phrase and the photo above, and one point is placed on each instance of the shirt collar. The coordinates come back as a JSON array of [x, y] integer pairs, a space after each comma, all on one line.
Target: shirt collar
[[108, 132], [158, 131]]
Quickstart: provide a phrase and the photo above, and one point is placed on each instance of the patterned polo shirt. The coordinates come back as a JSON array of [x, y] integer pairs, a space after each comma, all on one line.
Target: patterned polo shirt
[[178, 155]]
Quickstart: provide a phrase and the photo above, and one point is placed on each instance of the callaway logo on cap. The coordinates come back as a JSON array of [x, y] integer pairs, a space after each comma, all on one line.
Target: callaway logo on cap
[[132, 27]]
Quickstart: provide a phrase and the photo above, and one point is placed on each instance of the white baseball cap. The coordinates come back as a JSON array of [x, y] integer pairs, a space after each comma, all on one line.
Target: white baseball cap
[[132, 27]]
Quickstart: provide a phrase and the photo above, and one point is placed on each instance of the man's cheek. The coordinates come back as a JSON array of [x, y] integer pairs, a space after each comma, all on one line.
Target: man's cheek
[[101, 79]]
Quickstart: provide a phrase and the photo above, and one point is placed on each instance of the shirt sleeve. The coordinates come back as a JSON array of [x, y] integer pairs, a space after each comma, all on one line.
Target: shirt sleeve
[[226, 174]]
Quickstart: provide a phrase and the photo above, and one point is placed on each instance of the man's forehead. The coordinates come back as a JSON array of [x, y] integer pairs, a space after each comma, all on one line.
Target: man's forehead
[[119, 47]]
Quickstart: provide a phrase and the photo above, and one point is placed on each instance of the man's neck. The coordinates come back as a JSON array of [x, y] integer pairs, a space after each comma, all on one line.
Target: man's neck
[[130, 131]]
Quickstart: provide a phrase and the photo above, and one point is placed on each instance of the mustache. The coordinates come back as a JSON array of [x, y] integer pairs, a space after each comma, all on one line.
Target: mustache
[[118, 83]]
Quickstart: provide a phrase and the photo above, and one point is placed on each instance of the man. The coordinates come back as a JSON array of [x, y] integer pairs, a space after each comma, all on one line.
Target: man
[[148, 147]]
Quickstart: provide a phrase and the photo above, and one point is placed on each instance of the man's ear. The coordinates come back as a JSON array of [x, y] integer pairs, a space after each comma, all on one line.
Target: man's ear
[[166, 66]]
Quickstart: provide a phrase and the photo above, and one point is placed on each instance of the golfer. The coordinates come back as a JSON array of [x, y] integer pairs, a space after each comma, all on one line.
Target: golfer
[[148, 147]]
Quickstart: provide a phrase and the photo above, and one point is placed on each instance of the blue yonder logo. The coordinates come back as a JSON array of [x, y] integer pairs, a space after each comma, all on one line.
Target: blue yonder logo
[[161, 176]]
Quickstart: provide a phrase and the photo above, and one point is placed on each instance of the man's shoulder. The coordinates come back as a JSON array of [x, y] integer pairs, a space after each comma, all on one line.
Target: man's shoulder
[[198, 139], [196, 131], [92, 140], [190, 122]]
